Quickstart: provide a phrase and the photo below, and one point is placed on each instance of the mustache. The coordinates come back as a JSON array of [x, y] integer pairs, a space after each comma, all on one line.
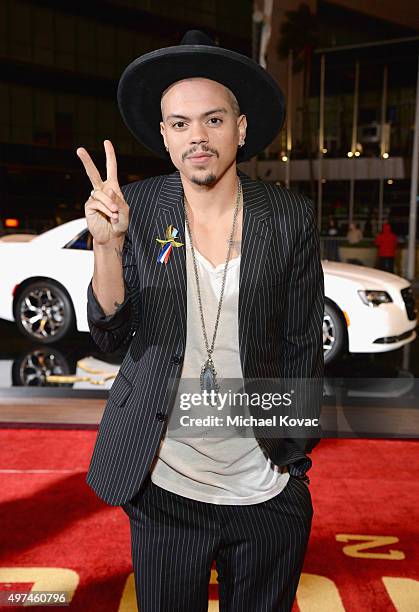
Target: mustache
[[203, 150]]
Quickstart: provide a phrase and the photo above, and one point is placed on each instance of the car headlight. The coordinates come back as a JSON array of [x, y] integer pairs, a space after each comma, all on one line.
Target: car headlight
[[374, 298]]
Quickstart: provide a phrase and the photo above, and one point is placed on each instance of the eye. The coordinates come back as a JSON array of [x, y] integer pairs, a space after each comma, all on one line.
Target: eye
[[177, 123], [215, 119]]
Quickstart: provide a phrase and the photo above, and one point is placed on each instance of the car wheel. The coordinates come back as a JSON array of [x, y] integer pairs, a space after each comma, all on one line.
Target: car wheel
[[334, 333], [32, 369], [44, 312]]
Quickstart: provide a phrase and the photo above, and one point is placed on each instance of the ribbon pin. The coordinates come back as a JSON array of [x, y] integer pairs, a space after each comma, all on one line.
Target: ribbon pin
[[168, 243]]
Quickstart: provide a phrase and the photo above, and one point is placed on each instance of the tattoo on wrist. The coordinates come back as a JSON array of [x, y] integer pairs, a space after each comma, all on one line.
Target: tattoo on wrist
[[118, 251]]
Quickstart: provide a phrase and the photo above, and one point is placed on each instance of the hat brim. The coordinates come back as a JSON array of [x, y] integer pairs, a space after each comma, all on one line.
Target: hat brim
[[143, 82]]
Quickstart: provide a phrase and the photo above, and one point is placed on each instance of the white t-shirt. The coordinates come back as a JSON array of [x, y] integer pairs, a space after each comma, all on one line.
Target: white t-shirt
[[225, 470]]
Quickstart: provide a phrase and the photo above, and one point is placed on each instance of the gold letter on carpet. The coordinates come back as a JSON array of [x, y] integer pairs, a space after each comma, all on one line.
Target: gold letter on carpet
[[372, 541]]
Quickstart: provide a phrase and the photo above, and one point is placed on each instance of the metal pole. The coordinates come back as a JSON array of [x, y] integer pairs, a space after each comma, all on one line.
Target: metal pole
[[354, 144], [321, 147], [351, 191], [383, 112], [289, 120], [411, 249], [355, 110], [257, 26], [382, 147], [381, 197]]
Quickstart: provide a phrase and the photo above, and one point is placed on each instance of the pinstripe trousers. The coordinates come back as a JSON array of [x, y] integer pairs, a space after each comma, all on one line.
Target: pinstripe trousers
[[258, 549]]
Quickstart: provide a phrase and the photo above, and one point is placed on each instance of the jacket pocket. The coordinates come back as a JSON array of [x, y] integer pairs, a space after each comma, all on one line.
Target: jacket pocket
[[120, 390]]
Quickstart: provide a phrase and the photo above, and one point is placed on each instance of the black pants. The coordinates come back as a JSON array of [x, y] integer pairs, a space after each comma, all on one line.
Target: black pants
[[386, 263], [259, 550]]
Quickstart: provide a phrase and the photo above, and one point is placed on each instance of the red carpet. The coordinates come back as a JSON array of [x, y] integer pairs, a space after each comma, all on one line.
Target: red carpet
[[56, 534]]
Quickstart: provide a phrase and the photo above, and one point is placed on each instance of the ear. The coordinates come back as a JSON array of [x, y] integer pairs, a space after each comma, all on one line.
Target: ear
[[242, 126], [162, 132]]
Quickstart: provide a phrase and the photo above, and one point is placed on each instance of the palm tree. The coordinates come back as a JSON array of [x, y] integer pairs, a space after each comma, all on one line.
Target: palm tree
[[300, 34]]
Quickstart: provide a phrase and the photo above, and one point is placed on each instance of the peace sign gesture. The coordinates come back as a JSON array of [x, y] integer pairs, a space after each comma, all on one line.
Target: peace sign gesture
[[107, 213]]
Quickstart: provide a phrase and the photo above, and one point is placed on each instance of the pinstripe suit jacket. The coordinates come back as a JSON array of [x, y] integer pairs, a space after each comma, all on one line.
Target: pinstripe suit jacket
[[281, 307]]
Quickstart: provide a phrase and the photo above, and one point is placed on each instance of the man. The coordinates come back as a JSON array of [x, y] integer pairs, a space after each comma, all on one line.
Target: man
[[386, 241], [208, 276]]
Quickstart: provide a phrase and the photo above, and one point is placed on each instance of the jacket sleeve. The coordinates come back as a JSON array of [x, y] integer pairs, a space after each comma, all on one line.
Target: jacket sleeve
[[302, 324], [302, 353], [110, 331]]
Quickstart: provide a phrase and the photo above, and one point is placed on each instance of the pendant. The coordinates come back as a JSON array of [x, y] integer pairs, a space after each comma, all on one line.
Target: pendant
[[208, 378]]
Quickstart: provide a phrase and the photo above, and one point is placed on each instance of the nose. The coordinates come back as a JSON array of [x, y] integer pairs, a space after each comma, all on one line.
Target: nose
[[198, 134]]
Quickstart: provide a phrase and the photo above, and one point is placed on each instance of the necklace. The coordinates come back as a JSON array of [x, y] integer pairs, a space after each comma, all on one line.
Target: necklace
[[208, 377]]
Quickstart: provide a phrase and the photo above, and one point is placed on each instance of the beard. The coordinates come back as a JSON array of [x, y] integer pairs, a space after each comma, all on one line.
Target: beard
[[206, 181]]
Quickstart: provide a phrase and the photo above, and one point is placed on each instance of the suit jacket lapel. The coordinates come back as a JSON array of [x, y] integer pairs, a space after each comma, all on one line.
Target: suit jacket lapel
[[170, 212], [256, 235]]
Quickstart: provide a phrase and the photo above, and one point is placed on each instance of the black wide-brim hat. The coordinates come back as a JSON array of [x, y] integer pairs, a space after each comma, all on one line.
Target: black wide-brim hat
[[144, 80]]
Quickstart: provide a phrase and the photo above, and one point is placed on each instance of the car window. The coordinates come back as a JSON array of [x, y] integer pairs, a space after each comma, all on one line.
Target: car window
[[82, 242]]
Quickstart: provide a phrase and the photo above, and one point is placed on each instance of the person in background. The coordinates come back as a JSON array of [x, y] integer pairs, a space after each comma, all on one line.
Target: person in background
[[331, 247], [354, 234], [386, 241], [368, 227]]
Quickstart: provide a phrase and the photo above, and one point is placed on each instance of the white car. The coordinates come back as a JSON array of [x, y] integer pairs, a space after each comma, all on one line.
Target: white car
[[366, 310], [44, 284]]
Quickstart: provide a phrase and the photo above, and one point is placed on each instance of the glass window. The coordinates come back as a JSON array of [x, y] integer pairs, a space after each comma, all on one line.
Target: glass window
[[82, 242]]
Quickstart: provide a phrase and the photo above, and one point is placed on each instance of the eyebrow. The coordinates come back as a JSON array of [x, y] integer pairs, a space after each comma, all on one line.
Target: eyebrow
[[210, 112]]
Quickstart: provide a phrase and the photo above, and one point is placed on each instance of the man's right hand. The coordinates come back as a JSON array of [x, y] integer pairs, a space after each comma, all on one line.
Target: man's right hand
[[107, 213]]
